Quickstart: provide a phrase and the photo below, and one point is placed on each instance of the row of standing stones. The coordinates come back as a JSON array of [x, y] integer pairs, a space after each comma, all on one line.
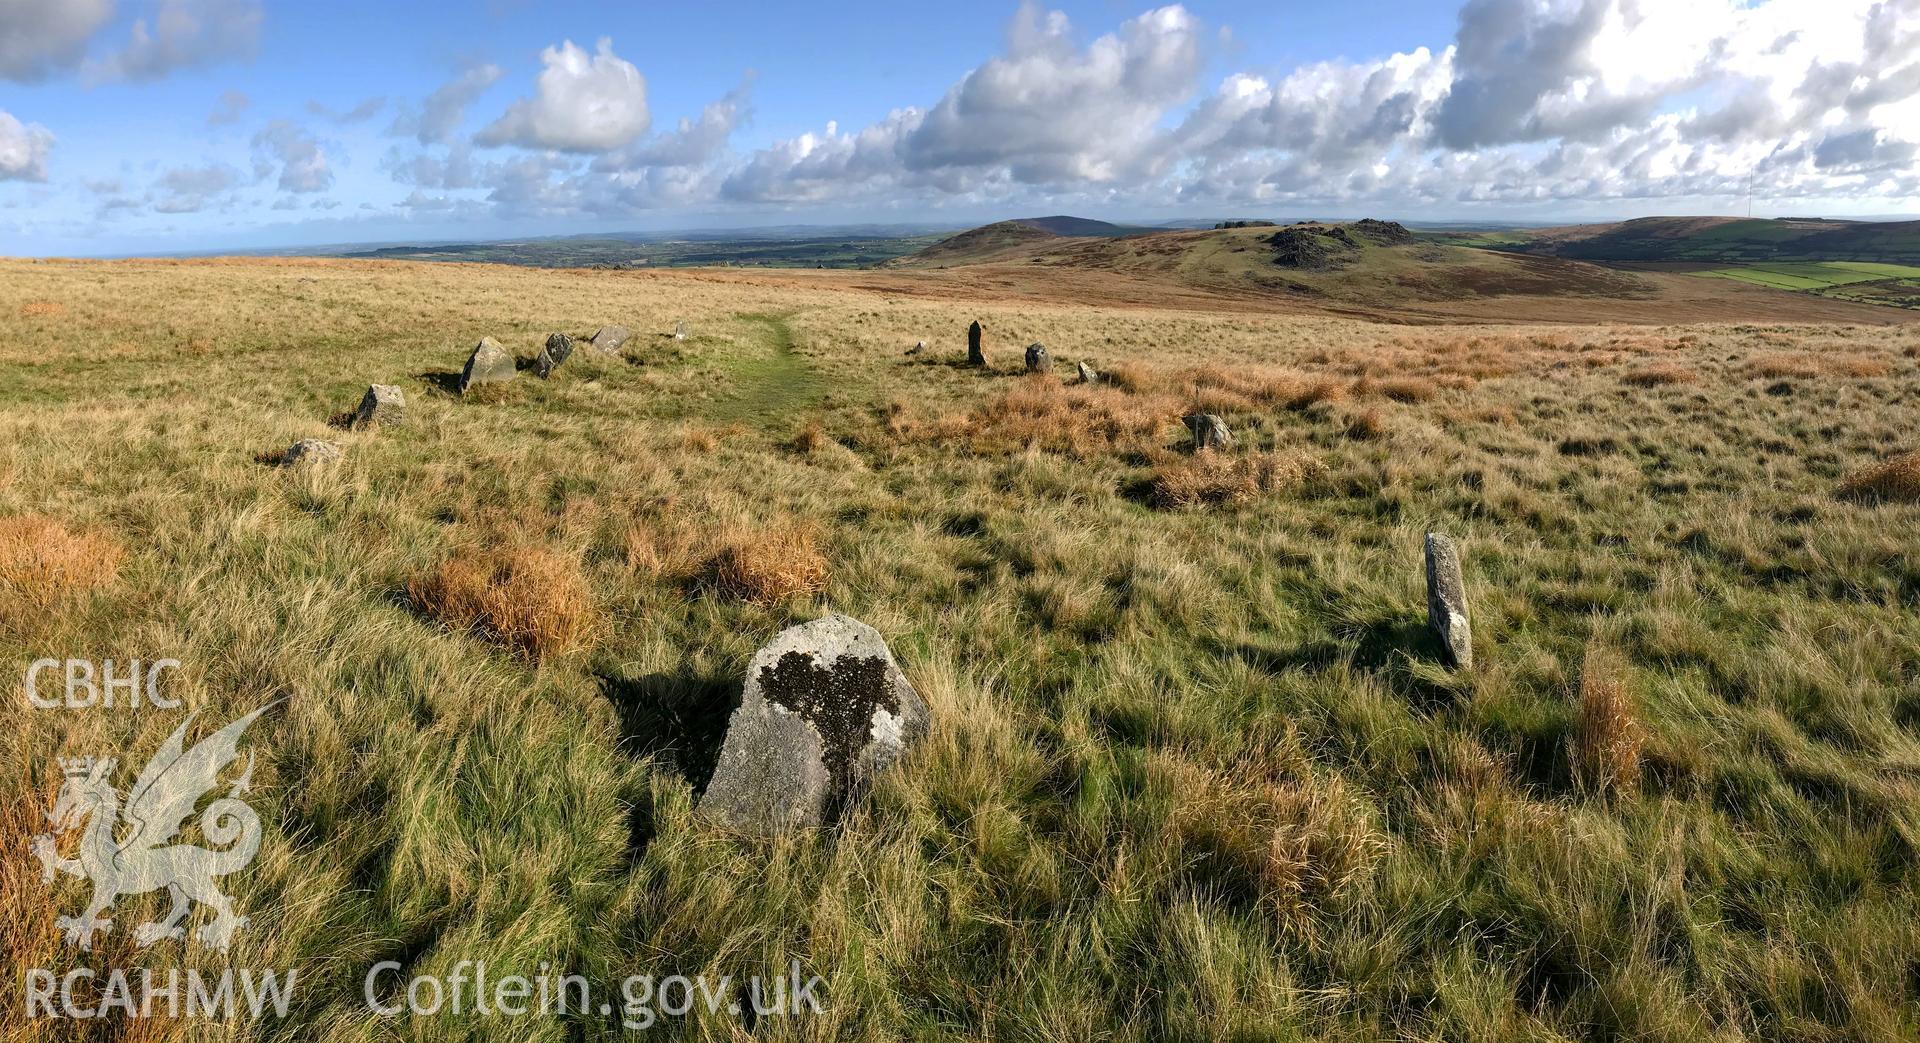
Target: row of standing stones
[[825, 707], [385, 405], [1208, 430]]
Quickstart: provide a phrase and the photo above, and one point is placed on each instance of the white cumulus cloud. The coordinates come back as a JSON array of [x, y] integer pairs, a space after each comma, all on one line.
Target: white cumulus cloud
[[23, 149], [581, 103], [300, 157]]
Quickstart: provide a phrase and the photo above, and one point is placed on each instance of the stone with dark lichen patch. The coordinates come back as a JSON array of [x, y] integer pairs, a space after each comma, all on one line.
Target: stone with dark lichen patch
[[825, 709], [839, 702]]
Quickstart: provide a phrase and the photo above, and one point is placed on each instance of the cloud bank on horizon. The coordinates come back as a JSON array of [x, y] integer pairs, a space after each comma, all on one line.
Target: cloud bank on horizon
[[1532, 104]]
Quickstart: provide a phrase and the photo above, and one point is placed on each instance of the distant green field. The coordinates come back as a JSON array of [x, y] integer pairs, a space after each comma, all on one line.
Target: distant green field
[[1814, 275], [1897, 284]]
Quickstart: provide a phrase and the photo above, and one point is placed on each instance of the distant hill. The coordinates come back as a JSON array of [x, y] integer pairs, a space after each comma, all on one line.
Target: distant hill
[[976, 245], [1080, 226], [1711, 240], [1365, 263]]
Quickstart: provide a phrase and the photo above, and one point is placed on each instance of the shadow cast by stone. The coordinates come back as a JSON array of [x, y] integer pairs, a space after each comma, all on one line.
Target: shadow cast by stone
[[679, 718], [444, 381]]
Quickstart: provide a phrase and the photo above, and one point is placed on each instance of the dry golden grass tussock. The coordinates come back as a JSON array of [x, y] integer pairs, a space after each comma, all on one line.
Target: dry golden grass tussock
[[1221, 478], [41, 309], [1661, 374], [770, 565], [1608, 735], [1895, 480], [1248, 387], [809, 438], [43, 565], [27, 935], [1400, 389], [1366, 425], [1073, 418], [533, 600], [1806, 366], [1297, 842]]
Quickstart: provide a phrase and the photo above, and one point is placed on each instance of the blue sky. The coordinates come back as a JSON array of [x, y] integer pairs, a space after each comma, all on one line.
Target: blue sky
[[175, 125]]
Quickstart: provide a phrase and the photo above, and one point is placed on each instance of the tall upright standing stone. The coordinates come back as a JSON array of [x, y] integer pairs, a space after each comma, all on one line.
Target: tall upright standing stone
[[976, 355], [607, 339], [382, 404], [558, 349], [1038, 361], [824, 710], [1447, 600], [680, 331], [489, 364], [1208, 431]]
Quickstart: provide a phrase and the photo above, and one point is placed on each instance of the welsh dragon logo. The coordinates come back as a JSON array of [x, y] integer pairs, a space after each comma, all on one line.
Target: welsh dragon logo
[[141, 859]]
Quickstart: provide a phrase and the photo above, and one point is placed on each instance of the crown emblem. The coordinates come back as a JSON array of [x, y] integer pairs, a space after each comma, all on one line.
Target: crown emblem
[[78, 766]]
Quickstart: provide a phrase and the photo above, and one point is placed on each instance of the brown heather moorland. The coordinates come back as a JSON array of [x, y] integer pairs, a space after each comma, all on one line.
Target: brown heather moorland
[[1197, 770]]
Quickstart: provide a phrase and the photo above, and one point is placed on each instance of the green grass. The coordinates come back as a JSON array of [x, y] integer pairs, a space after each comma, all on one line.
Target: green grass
[[769, 386], [1896, 284], [1196, 774]]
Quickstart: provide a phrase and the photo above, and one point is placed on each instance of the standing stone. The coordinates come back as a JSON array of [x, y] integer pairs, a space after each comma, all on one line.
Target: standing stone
[[680, 331], [608, 339], [310, 452], [1447, 600], [384, 404], [558, 348], [1038, 361], [825, 709], [918, 347], [976, 355], [1088, 375], [1208, 430], [489, 364]]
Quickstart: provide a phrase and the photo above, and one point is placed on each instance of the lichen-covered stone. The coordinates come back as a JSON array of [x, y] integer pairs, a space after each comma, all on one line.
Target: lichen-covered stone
[[311, 452], [383, 404], [489, 364], [1447, 600], [1038, 361], [558, 349], [1088, 375], [824, 710], [607, 340], [1208, 431]]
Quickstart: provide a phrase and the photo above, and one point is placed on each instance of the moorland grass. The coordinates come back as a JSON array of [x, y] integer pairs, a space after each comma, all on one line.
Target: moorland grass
[[1195, 773]]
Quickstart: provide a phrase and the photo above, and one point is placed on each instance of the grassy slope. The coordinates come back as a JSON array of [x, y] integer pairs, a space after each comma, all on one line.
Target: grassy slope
[[1196, 773]]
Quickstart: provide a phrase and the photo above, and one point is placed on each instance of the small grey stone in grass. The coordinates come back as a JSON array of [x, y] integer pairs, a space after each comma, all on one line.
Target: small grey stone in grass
[[311, 452], [608, 339], [824, 710], [558, 348], [1208, 431], [976, 352], [679, 331], [1447, 600], [1088, 375], [489, 364], [382, 404], [918, 347], [1038, 361]]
